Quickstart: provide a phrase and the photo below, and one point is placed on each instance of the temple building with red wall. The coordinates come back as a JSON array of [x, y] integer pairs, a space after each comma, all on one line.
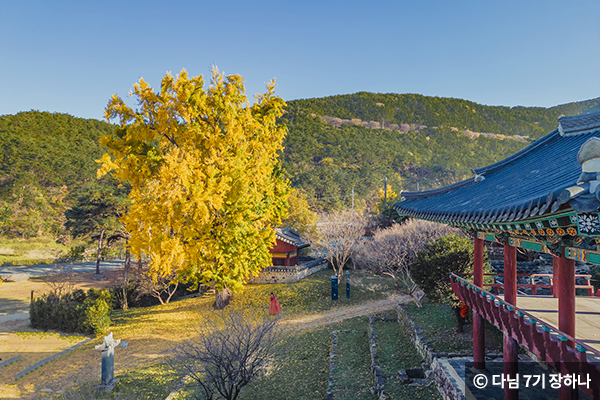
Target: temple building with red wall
[[285, 251]]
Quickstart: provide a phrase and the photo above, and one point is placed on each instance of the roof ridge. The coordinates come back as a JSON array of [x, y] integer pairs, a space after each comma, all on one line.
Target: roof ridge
[[579, 124]]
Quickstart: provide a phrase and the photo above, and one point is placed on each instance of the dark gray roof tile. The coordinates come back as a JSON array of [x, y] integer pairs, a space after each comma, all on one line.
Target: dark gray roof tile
[[525, 183]]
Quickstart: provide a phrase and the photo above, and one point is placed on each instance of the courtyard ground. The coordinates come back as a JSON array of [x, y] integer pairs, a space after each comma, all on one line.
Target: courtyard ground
[[309, 317]]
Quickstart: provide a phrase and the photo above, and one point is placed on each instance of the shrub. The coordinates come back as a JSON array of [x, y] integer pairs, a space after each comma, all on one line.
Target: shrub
[[235, 348], [76, 253], [97, 315], [432, 267], [73, 312]]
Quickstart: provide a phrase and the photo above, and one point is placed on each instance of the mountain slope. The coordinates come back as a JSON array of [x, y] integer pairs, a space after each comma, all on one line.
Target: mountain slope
[[44, 157], [355, 141], [337, 147]]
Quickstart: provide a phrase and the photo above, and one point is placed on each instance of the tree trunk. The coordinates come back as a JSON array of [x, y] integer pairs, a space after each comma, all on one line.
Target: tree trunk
[[100, 240], [222, 298], [171, 292], [460, 321], [126, 269]]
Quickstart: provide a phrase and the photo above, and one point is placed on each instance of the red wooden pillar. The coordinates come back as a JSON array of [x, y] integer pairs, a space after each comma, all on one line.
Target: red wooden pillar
[[510, 274], [478, 332], [511, 354], [566, 296], [565, 278], [554, 288]]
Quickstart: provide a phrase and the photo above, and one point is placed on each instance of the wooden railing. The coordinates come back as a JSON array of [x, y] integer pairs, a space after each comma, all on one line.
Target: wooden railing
[[534, 286], [565, 353]]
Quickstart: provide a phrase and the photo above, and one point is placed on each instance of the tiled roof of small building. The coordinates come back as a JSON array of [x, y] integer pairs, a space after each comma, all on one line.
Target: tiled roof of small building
[[290, 236], [522, 186]]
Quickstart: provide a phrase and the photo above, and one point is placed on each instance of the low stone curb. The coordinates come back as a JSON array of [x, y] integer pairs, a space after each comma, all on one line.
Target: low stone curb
[[48, 359], [9, 361], [329, 395], [378, 375], [334, 339], [447, 384]]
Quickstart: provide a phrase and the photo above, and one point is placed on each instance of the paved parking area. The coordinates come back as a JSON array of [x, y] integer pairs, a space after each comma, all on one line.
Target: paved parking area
[[37, 270]]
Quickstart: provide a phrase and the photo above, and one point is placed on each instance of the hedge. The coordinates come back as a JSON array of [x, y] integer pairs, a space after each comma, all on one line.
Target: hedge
[[75, 312]]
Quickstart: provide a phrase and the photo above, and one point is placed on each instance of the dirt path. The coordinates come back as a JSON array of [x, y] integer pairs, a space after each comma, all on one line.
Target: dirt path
[[340, 314]]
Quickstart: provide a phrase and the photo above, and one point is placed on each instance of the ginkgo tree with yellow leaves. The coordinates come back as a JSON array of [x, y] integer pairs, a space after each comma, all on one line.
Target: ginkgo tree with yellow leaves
[[207, 187]]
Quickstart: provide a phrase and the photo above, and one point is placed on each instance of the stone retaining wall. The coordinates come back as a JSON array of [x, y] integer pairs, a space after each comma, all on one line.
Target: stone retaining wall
[[449, 384], [289, 274]]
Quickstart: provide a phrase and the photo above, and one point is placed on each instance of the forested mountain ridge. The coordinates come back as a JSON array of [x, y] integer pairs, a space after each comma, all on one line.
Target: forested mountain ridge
[[418, 110], [345, 143], [46, 158]]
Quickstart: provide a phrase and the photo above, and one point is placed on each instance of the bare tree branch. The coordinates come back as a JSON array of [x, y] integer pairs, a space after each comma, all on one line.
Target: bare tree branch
[[233, 350], [392, 250], [338, 237]]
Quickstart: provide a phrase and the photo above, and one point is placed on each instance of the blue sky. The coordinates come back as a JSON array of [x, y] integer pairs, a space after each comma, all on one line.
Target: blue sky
[[71, 56]]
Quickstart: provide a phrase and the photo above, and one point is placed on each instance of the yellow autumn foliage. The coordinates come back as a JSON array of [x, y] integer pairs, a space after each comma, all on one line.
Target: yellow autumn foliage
[[392, 197], [206, 184]]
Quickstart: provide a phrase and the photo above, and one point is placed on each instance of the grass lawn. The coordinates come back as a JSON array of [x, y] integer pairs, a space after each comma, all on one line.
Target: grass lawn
[[301, 367], [151, 382], [352, 378], [397, 352], [29, 251], [439, 326]]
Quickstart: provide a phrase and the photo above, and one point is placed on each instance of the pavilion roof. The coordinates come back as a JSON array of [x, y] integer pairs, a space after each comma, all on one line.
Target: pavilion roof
[[518, 188]]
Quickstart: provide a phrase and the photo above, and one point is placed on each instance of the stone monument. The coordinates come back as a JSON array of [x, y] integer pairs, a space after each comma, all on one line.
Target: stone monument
[[108, 362]]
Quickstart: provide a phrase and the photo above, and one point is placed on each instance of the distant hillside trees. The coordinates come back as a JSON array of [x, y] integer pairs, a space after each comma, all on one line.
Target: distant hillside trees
[[328, 162], [44, 157], [443, 112]]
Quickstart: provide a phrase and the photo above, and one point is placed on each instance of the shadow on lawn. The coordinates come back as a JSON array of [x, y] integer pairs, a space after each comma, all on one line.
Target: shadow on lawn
[[11, 306]]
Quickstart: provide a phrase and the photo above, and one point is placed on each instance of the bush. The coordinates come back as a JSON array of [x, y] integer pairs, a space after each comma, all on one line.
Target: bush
[[97, 315], [76, 253], [235, 348], [137, 297], [432, 267], [73, 312]]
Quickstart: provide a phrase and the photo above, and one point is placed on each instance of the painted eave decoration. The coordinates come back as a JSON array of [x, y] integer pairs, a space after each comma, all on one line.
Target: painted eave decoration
[[548, 192]]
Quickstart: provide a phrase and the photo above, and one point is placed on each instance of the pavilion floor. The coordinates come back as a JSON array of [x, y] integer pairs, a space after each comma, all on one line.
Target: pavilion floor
[[587, 315]]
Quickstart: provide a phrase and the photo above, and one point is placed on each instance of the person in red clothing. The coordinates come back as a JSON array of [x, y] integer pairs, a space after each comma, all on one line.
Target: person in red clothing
[[464, 312], [274, 308]]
